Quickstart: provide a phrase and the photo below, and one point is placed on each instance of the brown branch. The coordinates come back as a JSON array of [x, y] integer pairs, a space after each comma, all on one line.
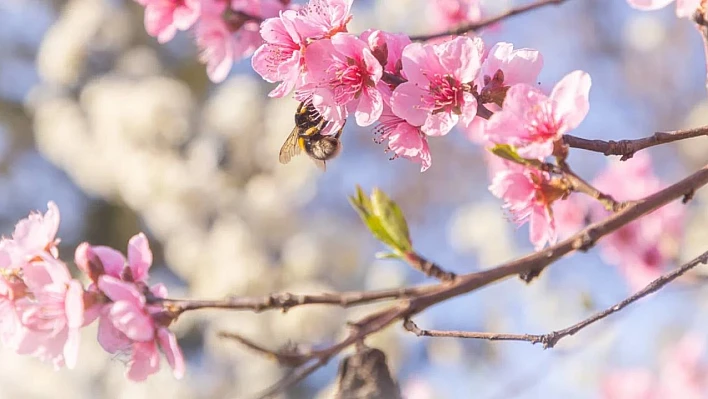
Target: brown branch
[[285, 301], [429, 268], [578, 184], [474, 26], [551, 339], [627, 148], [289, 357], [528, 267]]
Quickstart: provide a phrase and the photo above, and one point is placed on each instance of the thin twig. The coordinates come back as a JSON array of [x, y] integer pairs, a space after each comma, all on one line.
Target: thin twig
[[578, 184], [474, 26], [551, 339], [291, 358], [627, 148], [285, 301], [429, 268], [530, 265]]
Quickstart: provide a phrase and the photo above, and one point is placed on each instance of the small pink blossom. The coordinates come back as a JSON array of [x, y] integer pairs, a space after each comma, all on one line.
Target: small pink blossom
[[528, 195], [438, 94], [503, 67], [131, 325], [532, 121], [387, 48], [280, 59], [516, 66], [36, 234], [642, 248], [342, 78], [447, 14], [325, 18], [95, 261], [164, 17], [221, 42], [53, 314], [684, 8], [404, 139]]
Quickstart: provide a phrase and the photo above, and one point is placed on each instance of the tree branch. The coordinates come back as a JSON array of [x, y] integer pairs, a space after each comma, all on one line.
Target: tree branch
[[474, 26], [627, 148], [527, 267], [285, 301], [551, 339]]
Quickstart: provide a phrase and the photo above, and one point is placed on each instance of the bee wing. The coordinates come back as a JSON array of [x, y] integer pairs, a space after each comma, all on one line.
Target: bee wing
[[290, 148]]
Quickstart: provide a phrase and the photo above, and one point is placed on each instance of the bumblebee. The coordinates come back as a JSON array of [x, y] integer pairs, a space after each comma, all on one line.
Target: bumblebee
[[306, 136]]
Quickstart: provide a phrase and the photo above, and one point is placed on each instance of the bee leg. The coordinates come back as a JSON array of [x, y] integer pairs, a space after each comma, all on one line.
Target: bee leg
[[339, 132]]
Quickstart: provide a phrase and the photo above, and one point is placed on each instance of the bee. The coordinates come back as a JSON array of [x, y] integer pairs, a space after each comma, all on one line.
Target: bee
[[307, 136]]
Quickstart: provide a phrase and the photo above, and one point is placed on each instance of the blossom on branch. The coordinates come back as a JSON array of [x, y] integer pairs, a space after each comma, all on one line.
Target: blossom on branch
[[342, 78], [532, 122], [404, 139], [438, 93], [528, 195], [281, 57]]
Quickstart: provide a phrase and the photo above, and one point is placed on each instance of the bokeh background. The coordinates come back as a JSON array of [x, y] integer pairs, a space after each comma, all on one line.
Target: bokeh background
[[126, 135]]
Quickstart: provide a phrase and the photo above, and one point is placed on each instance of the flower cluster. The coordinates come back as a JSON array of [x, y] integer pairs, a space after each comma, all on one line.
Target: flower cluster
[[225, 30], [412, 91], [42, 308]]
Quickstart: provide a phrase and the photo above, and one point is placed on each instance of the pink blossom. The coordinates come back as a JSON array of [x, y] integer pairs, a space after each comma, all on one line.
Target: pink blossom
[[325, 18], [131, 325], [387, 48], [342, 78], [404, 139], [447, 14], [53, 314], [164, 17], [280, 59], [37, 234], [528, 195], [438, 92], [684, 8], [221, 42], [532, 122], [642, 248], [516, 66], [95, 261]]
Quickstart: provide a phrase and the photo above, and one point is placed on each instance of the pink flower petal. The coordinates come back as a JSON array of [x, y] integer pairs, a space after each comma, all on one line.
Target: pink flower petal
[[139, 257], [172, 351], [132, 321], [571, 98], [109, 337], [144, 361]]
